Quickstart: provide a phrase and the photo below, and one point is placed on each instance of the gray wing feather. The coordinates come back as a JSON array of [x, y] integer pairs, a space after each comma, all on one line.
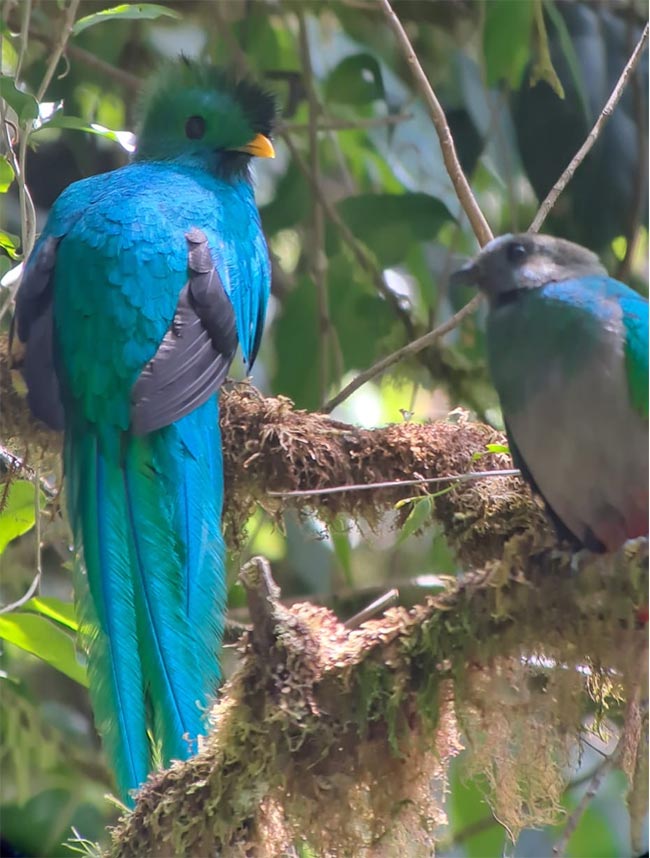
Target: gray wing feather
[[195, 353], [33, 324]]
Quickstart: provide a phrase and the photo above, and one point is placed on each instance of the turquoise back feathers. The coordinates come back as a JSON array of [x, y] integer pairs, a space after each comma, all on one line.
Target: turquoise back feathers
[[568, 354], [141, 288]]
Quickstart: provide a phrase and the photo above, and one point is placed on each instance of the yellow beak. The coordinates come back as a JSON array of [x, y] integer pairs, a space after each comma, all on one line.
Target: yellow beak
[[260, 146]]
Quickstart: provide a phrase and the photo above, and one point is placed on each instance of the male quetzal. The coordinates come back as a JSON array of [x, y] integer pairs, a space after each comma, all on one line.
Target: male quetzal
[[568, 354], [138, 292]]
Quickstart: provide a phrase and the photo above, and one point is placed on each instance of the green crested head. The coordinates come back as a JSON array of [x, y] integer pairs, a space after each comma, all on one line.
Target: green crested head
[[195, 113], [514, 263]]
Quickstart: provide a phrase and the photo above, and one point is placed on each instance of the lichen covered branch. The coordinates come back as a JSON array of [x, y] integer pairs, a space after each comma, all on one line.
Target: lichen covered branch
[[339, 739]]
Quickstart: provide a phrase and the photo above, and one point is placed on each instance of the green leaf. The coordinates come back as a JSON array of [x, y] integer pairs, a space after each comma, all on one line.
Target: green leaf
[[6, 176], [76, 123], [343, 552], [23, 103], [356, 80], [506, 40], [9, 243], [148, 11], [46, 640], [389, 224], [55, 609], [18, 512], [422, 509]]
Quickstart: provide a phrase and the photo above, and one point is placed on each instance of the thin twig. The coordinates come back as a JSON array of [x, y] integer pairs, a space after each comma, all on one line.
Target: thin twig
[[388, 600], [593, 135], [33, 587], [124, 78], [559, 850], [409, 349], [24, 36], [317, 250], [467, 200], [58, 47], [392, 484], [463, 191]]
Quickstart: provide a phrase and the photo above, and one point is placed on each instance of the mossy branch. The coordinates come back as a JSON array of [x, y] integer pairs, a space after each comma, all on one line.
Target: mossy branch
[[332, 737]]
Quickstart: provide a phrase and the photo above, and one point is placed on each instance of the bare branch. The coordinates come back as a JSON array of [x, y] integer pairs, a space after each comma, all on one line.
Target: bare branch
[[408, 350], [466, 197], [593, 135]]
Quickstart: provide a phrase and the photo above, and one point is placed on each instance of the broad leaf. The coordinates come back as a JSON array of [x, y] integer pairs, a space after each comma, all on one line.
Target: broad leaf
[[6, 175], [44, 639], [23, 103], [54, 609], [18, 513], [389, 224], [148, 11]]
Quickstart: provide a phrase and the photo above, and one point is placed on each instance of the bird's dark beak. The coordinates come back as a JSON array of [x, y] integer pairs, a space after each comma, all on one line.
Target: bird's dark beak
[[465, 276], [260, 146]]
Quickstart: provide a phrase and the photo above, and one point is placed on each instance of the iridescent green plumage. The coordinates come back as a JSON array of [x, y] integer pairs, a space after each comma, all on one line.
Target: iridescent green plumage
[[134, 300]]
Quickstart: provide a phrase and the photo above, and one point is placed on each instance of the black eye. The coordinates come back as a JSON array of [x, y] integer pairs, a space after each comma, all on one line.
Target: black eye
[[195, 127], [515, 252]]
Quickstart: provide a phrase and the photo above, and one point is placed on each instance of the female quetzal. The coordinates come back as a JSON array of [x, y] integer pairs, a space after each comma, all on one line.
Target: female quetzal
[[144, 282], [568, 354]]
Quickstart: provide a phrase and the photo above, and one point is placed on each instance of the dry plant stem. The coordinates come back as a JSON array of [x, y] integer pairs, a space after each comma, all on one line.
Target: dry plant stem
[[318, 257], [393, 484], [464, 192], [408, 350], [593, 135]]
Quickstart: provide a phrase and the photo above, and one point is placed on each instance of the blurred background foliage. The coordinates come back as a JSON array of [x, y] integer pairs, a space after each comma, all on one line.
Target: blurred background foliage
[[364, 229]]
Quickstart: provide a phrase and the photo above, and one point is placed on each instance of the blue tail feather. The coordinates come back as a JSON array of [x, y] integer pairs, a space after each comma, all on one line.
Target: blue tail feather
[[147, 511]]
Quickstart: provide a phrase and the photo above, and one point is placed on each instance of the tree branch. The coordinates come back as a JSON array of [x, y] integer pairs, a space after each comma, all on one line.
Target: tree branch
[[459, 180], [330, 736]]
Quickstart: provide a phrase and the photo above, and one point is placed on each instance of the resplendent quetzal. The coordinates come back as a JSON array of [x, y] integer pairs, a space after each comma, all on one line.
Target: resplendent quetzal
[[568, 354], [144, 282]]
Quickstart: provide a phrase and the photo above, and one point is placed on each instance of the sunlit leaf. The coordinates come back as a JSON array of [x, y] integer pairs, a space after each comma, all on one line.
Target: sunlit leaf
[[18, 513], [59, 120], [9, 243], [148, 11], [6, 177], [421, 511], [44, 639], [55, 609]]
